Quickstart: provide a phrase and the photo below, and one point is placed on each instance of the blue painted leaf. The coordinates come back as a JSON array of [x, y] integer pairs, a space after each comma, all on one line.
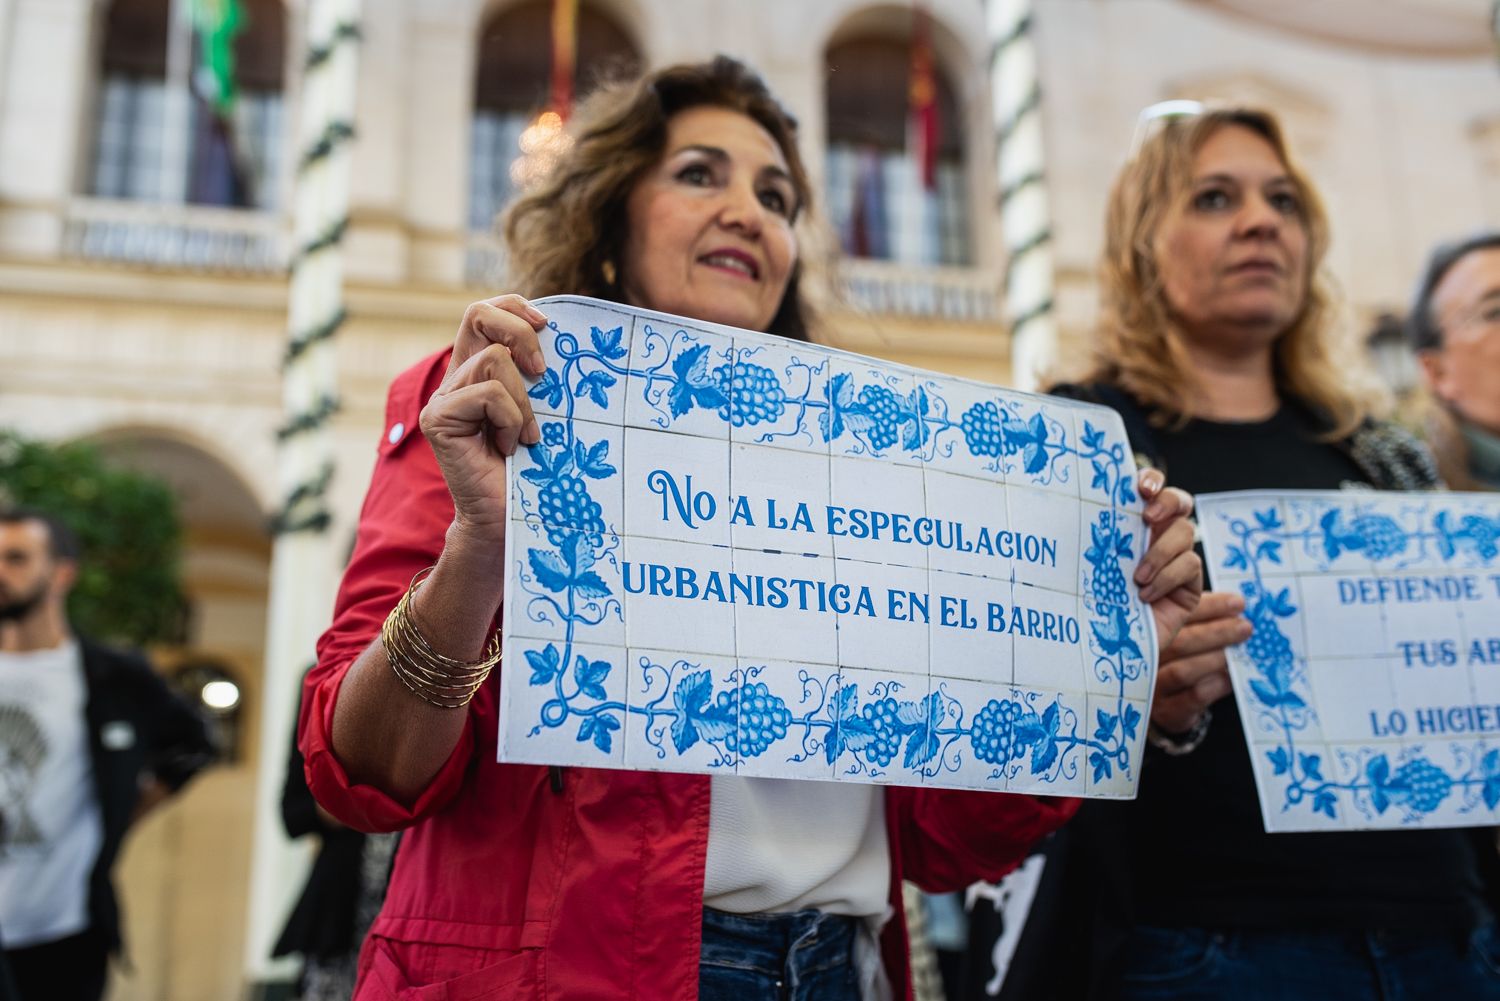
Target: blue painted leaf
[[1269, 551], [911, 713], [1378, 770], [1491, 763], [536, 476], [1034, 458], [1235, 559], [1101, 765], [1125, 491], [1106, 728], [1272, 697], [1125, 547], [1101, 476], [1280, 760], [1042, 756], [1323, 803], [578, 552], [1092, 438], [594, 386], [854, 733], [589, 674], [688, 698], [1281, 603], [1130, 721], [591, 585], [545, 458], [1038, 428], [921, 747], [846, 702], [544, 664], [1312, 766], [1015, 432], [549, 569], [1052, 719], [691, 369], [1331, 544], [601, 731], [1380, 799], [607, 342], [692, 692], [913, 432], [591, 462], [716, 722], [1268, 519], [586, 728], [1029, 731], [1491, 791], [1113, 635], [549, 387]]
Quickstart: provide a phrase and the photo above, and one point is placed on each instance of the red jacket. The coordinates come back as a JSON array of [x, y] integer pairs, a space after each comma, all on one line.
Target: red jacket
[[507, 886]]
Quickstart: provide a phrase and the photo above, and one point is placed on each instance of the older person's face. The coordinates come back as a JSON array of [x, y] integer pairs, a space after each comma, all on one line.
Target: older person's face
[[1233, 252], [710, 226], [1465, 371]]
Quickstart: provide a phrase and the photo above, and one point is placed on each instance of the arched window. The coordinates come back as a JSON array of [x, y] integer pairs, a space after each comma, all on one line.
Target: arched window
[[514, 71], [156, 139], [876, 196]]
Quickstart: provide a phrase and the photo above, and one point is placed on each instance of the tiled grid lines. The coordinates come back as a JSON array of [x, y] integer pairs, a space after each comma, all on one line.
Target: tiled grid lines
[[1333, 717], [895, 705]]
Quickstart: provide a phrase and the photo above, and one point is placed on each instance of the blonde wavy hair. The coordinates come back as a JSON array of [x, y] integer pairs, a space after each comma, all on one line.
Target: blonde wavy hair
[[1139, 349], [565, 236]]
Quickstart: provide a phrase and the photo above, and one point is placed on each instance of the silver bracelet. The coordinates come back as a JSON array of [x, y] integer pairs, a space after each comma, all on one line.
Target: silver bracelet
[[1178, 744]]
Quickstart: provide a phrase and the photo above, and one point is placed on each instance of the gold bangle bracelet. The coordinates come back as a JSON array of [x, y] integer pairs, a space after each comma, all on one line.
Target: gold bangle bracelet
[[434, 678]]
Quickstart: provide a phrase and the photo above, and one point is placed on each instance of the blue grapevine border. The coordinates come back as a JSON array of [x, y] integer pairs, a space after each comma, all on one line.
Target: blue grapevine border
[[1415, 785], [747, 719]]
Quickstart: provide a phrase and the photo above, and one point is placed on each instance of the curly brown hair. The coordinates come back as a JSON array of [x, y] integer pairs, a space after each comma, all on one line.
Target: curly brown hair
[[561, 233], [1137, 346]]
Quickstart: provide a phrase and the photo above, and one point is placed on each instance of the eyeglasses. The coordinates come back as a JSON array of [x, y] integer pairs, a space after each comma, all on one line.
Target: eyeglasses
[[1154, 117]]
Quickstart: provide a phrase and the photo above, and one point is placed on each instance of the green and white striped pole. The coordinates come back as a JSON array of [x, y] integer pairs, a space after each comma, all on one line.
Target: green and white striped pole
[[1025, 217], [303, 560]]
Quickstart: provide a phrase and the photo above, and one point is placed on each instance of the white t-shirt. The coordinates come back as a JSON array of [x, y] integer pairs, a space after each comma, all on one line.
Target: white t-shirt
[[777, 845], [51, 831]]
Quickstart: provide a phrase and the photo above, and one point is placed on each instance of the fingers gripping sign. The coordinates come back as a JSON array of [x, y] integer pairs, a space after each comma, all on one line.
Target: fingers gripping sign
[[1170, 574], [481, 413], [1194, 673]]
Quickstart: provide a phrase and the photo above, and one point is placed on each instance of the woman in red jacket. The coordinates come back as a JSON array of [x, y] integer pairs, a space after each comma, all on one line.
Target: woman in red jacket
[[680, 193]]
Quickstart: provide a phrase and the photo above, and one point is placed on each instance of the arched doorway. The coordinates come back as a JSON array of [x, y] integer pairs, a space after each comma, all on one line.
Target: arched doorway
[[183, 875]]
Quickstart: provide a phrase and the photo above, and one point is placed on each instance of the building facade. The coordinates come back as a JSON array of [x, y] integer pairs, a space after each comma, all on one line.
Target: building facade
[[143, 296]]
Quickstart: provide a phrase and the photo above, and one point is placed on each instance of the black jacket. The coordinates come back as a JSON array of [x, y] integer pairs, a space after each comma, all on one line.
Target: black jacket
[[322, 923], [137, 727]]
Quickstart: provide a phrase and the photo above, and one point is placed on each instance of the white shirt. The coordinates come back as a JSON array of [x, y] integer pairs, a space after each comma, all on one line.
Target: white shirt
[[52, 831], [778, 845]]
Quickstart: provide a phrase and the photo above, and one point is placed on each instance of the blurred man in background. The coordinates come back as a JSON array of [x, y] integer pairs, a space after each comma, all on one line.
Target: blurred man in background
[[1455, 330], [90, 739]]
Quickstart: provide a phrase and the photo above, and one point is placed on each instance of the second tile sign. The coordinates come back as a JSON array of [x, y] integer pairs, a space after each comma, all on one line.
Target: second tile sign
[[736, 554]]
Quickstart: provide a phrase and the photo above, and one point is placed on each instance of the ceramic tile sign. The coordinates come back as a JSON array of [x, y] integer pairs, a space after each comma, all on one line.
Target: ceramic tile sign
[[736, 554], [1370, 689]]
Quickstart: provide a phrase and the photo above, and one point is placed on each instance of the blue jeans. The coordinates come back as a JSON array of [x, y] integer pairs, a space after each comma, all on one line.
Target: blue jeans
[[802, 956], [1188, 964]]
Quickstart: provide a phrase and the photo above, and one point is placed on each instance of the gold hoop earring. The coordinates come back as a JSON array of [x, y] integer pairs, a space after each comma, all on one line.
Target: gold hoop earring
[[607, 269]]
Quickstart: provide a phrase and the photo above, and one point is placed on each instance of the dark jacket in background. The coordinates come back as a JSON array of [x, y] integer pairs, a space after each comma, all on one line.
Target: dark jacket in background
[[322, 923], [137, 726]]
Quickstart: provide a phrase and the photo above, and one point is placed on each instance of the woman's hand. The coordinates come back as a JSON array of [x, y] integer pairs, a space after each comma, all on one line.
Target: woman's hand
[[1193, 673], [480, 413], [1170, 575]]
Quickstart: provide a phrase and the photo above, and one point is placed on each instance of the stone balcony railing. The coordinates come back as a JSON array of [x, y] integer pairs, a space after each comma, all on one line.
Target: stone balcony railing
[[190, 237], [961, 295]]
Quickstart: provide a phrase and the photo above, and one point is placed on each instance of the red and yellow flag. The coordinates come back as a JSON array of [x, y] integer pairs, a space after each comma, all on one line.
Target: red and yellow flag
[[564, 55], [922, 110]]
